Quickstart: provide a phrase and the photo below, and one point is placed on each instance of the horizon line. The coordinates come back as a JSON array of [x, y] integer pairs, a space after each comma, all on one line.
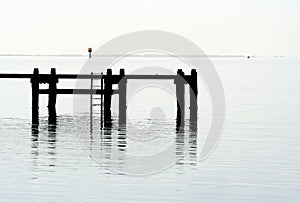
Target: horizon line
[[155, 55]]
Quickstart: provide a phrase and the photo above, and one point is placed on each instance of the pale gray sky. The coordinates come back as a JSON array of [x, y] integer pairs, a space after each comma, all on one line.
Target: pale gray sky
[[262, 27]]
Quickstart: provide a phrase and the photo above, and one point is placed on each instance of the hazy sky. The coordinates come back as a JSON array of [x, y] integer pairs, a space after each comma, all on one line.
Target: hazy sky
[[262, 27]]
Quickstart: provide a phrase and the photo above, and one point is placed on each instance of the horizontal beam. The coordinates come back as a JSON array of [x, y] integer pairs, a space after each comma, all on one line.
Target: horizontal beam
[[150, 77], [138, 77], [76, 91], [86, 76], [10, 75], [45, 78]]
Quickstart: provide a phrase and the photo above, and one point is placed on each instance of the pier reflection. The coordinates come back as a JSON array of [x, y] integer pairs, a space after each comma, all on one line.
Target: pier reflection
[[118, 148], [117, 145]]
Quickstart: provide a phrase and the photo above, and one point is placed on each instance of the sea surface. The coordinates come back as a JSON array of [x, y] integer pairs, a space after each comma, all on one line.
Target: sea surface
[[257, 158]]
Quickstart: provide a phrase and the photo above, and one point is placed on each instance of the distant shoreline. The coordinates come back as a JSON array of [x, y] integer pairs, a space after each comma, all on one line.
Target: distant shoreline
[[146, 55]]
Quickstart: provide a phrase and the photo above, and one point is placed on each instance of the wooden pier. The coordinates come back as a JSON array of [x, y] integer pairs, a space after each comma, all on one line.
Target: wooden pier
[[106, 90]]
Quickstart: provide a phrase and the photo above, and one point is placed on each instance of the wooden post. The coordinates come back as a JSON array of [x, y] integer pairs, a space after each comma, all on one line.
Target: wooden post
[[107, 97], [35, 96], [193, 96], [101, 102], [91, 103], [122, 97], [179, 82], [52, 97]]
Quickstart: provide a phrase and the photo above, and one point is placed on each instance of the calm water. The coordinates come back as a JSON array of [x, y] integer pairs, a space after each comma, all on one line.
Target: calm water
[[256, 160]]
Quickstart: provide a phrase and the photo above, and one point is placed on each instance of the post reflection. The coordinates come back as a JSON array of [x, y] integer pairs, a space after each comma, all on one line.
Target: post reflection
[[193, 136], [186, 143], [106, 140], [38, 142], [34, 139], [34, 132], [122, 138], [52, 138]]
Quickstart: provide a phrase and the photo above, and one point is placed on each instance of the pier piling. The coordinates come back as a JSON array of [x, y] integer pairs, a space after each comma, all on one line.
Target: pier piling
[[107, 97], [180, 92], [35, 96], [193, 85], [52, 97], [122, 97]]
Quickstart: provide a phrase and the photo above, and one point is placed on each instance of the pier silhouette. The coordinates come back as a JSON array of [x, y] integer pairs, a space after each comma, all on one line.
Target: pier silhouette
[[106, 91]]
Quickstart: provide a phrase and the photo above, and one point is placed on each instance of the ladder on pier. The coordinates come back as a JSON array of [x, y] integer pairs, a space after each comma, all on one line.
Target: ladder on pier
[[96, 100]]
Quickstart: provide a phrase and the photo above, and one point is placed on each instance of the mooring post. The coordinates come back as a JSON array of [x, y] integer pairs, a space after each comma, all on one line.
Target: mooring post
[[122, 97], [193, 96], [52, 97], [107, 97], [35, 96], [179, 82]]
